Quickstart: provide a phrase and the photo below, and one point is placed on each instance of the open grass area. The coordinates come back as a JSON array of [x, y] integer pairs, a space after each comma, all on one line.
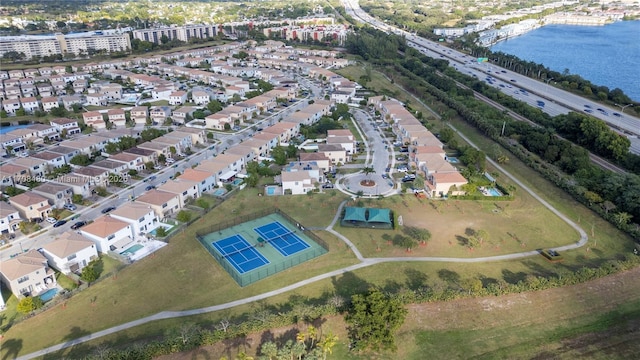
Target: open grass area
[[512, 226], [180, 276]]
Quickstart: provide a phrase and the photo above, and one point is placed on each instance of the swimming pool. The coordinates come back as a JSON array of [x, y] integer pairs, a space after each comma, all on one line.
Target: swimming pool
[[154, 232], [271, 190], [220, 192], [132, 250], [494, 192], [237, 182], [452, 160], [48, 295]]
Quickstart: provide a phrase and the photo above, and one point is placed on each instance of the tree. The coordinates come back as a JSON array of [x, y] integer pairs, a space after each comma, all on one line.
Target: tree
[[622, 218], [373, 319], [111, 148], [368, 170], [80, 160], [183, 216], [162, 158], [89, 272], [269, 349], [214, 106], [279, 154], [29, 304]]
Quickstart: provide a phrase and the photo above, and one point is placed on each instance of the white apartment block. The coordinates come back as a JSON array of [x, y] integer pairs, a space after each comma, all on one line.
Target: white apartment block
[[182, 33], [44, 45]]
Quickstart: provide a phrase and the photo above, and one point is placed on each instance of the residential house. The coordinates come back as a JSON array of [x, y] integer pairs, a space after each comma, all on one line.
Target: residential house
[[70, 253], [323, 162], [9, 218], [31, 206], [69, 100], [200, 97], [97, 176], [45, 90], [185, 190], [159, 114], [163, 203], [27, 274], [58, 194], [79, 184], [94, 119], [96, 99], [67, 152], [145, 154], [10, 106], [30, 104], [335, 153], [131, 161], [309, 166], [113, 92], [205, 180], [49, 103], [139, 114], [297, 182], [183, 114], [14, 174], [141, 217], [54, 160], [285, 131], [37, 167], [218, 121], [177, 98], [441, 184], [63, 124], [117, 117], [109, 234]]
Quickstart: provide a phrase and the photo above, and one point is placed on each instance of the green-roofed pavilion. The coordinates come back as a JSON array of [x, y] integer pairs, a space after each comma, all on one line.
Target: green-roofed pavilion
[[354, 214], [378, 216]]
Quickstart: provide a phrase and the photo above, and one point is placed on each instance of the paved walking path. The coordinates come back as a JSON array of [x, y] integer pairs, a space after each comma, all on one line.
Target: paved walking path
[[364, 262]]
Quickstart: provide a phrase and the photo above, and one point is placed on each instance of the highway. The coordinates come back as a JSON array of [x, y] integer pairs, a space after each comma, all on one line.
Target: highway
[[555, 101]]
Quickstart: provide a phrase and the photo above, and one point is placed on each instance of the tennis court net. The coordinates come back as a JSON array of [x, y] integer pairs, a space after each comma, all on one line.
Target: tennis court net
[[238, 251]]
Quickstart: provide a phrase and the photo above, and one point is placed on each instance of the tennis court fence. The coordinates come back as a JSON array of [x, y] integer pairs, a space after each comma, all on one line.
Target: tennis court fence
[[256, 215], [264, 271]]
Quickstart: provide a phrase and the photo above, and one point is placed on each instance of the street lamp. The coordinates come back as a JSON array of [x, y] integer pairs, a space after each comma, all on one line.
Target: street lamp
[[622, 107], [548, 80]]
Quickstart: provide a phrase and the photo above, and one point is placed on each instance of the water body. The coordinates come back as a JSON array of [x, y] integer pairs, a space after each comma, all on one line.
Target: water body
[[605, 55], [6, 129]]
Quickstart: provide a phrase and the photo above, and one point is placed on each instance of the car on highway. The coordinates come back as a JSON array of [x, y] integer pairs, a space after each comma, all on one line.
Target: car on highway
[[59, 223], [587, 106], [51, 220], [588, 111], [513, 80], [78, 225], [150, 187], [540, 103], [108, 209], [617, 114]]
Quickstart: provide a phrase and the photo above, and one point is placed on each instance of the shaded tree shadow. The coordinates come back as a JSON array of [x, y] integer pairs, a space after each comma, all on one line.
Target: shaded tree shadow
[[286, 336], [486, 281], [469, 232], [74, 334], [265, 337], [234, 344], [463, 241], [415, 279], [449, 276], [538, 270], [348, 285], [513, 278], [391, 286], [11, 347]]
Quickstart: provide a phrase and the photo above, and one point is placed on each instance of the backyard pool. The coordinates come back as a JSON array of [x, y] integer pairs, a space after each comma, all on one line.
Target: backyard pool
[[132, 250], [220, 192], [453, 160], [237, 182], [48, 295], [154, 232], [271, 190], [493, 192]]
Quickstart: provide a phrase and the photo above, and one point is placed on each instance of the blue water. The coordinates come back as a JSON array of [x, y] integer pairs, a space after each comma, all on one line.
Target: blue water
[[6, 129], [494, 192], [132, 250], [48, 295], [605, 55], [452, 160], [155, 231], [271, 190]]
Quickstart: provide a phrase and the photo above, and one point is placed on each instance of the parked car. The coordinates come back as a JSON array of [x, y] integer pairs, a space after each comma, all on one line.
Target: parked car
[[59, 223], [51, 220], [108, 209], [150, 187], [70, 207], [327, 186], [78, 225]]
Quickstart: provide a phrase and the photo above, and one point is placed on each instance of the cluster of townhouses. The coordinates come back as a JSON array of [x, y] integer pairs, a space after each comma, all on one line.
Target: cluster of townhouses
[[426, 151], [108, 41], [60, 141]]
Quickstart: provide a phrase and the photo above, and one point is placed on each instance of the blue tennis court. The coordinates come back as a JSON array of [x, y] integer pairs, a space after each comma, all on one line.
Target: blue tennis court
[[281, 238], [240, 253]]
